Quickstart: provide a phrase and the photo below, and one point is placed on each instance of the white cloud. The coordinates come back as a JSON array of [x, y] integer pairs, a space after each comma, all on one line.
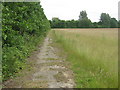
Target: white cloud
[[70, 9]]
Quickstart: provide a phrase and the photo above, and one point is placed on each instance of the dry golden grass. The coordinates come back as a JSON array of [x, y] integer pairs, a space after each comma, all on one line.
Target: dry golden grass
[[93, 54]]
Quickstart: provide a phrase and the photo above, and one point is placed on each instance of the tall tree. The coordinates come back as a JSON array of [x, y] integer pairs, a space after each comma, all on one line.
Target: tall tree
[[55, 22], [84, 22], [113, 23], [105, 19], [83, 15]]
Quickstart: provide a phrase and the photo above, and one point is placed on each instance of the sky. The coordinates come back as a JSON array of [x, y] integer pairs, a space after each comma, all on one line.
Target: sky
[[70, 9]]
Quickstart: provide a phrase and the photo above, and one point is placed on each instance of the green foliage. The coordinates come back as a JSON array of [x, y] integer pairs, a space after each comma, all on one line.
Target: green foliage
[[57, 23], [83, 15], [105, 19], [113, 23], [71, 23], [105, 22], [24, 24], [85, 23]]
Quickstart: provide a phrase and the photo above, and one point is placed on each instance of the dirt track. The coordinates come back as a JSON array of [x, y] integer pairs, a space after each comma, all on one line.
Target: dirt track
[[49, 71]]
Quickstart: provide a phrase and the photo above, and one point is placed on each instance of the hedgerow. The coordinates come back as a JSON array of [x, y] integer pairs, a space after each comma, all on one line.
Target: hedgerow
[[24, 24]]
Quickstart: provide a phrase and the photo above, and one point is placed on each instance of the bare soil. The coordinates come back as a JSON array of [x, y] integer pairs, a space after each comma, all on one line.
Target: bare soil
[[46, 69]]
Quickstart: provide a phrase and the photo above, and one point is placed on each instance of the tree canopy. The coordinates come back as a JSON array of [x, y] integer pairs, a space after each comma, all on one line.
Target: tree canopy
[[83, 15], [105, 19], [84, 22]]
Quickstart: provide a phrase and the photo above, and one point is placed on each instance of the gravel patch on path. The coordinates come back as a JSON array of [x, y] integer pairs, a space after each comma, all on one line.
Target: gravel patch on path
[[48, 71]]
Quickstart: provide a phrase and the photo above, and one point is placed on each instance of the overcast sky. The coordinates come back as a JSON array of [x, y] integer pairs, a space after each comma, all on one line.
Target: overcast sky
[[70, 9]]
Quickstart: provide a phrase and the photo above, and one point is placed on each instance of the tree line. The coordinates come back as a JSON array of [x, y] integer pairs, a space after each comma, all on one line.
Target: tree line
[[84, 22]]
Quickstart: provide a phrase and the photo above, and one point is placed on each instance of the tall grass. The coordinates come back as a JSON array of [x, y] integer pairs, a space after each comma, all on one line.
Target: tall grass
[[93, 55]]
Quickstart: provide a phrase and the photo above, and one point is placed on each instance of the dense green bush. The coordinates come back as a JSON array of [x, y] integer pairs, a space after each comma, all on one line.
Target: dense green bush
[[24, 24]]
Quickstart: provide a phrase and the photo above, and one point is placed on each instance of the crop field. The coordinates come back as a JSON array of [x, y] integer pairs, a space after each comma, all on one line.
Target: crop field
[[93, 55]]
